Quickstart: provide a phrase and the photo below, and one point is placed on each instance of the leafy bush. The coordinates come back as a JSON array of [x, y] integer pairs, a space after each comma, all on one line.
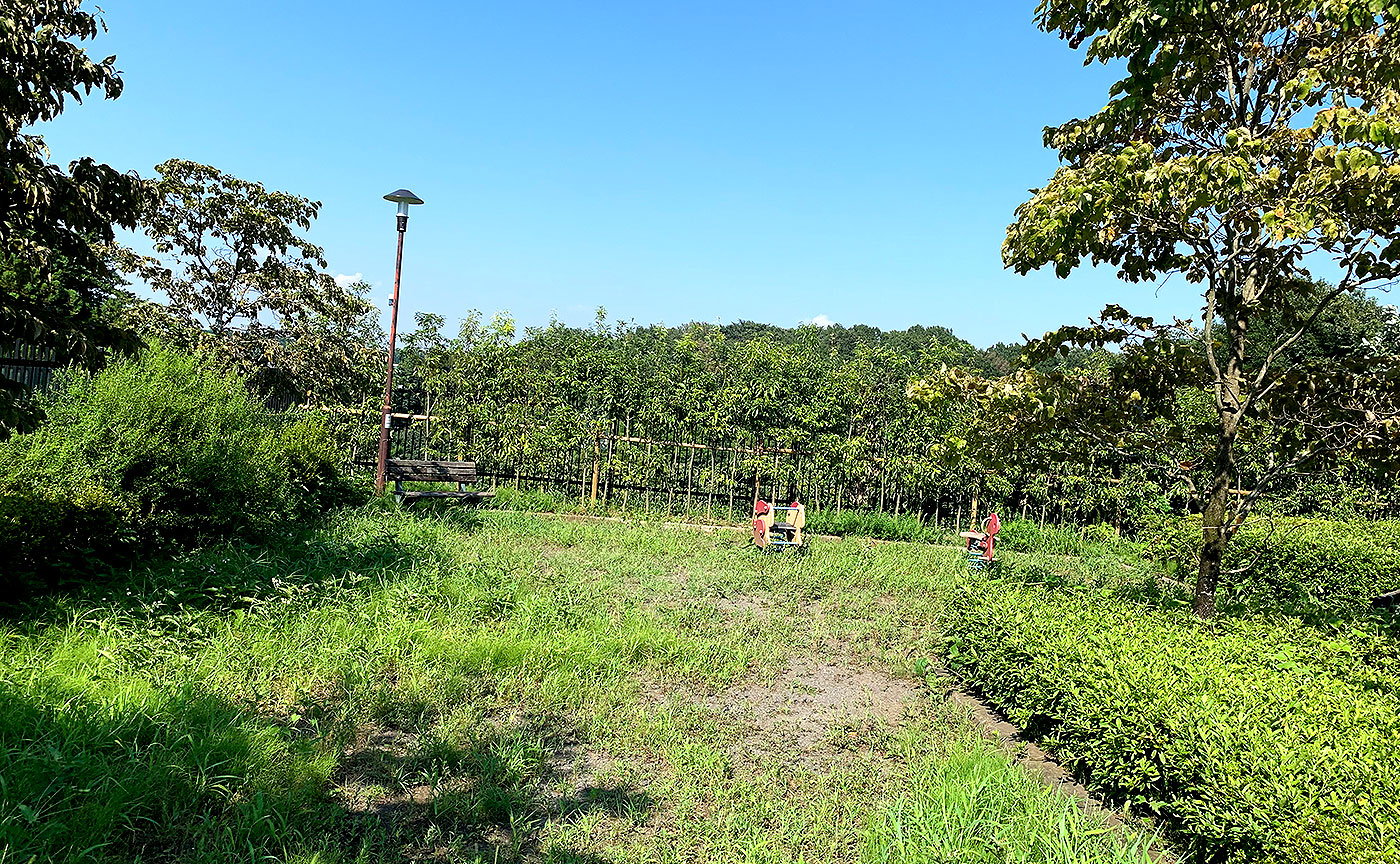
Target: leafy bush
[[1258, 743], [1313, 568], [155, 452]]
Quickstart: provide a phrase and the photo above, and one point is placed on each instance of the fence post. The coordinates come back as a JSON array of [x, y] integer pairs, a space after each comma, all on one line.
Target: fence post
[[671, 478], [593, 497], [583, 477], [709, 497], [627, 433], [689, 478], [607, 478], [733, 475], [755, 477]]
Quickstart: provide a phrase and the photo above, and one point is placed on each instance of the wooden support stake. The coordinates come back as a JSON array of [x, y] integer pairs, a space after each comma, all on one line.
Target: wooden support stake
[[624, 462], [710, 499], [607, 477], [593, 497], [583, 477], [671, 481], [689, 478], [733, 480]]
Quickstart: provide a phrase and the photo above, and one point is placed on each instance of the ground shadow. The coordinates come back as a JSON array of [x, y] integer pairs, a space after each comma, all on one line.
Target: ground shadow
[[233, 574], [187, 775]]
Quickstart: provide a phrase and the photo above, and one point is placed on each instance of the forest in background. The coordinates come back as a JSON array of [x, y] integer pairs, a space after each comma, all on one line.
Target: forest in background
[[537, 399]]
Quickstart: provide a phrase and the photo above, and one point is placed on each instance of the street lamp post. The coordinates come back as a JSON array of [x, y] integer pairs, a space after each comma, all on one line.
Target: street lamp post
[[403, 198]]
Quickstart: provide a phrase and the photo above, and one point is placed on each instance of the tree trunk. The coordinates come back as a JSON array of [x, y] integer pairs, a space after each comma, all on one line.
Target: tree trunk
[[1214, 538]]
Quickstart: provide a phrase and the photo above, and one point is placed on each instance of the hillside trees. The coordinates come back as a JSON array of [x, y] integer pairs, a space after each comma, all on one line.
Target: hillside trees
[[241, 281], [54, 277], [1247, 144]]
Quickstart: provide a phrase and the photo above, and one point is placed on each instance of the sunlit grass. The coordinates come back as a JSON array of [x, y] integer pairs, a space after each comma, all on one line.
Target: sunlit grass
[[399, 687]]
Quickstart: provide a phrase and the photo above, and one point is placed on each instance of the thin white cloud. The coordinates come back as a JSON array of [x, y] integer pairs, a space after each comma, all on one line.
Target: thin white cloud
[[345, 280], [822, 321]]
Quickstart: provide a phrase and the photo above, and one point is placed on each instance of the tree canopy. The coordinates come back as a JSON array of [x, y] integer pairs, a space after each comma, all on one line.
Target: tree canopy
[[54, 222], [1247, 143], [241, 280]]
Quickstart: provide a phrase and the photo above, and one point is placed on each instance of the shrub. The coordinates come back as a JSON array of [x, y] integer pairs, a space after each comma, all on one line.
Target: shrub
[[154, 452], [1313, 568], [1257, 743]]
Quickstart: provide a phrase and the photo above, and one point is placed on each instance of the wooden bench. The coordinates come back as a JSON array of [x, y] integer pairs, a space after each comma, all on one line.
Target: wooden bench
[[403, 471]]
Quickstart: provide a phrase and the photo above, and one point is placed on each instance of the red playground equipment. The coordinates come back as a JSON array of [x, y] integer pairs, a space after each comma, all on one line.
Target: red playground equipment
[[772, 535], [980, 543]]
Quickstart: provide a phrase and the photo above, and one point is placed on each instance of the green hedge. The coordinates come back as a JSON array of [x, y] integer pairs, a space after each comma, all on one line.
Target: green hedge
[[1309, 567], [159, 451], [1257, 743]]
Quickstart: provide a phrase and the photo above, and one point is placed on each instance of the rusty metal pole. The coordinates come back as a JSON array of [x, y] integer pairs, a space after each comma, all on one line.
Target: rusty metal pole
[[379, 470], [402, 198]]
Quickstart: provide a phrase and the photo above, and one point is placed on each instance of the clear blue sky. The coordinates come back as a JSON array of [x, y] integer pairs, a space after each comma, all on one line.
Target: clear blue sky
[[670, 162]]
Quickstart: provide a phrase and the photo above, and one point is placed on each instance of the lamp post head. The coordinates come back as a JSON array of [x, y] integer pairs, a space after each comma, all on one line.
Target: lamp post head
[[403, 198]]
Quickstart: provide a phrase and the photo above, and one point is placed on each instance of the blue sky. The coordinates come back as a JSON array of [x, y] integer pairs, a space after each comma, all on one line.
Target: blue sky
[[669, 162]]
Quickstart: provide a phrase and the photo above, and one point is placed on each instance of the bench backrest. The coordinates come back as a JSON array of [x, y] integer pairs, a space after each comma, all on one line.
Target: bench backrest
[[418, 470]]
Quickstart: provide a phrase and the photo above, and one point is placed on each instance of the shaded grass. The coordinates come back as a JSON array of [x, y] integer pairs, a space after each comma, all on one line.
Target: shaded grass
[[400, 687]]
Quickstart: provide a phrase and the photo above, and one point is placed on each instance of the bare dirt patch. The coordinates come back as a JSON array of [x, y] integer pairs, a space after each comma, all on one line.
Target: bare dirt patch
[[739, 606], [817, 708]]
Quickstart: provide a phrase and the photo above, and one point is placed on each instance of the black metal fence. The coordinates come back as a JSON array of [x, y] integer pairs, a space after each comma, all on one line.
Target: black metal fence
[[29, 366], [614, 464]]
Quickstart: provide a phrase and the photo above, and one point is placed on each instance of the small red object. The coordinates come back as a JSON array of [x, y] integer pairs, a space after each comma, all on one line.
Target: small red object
[[982, 542], [760, 507]]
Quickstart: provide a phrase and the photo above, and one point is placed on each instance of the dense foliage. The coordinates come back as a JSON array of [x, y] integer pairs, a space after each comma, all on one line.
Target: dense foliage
[[1246, 144], [153, 453], [536, 402], [240, 281], [1315, 568], [1257, 741], [53, 222]]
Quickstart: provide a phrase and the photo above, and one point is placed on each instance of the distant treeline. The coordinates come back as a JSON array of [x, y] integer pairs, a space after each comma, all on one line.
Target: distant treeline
[[541, 397]]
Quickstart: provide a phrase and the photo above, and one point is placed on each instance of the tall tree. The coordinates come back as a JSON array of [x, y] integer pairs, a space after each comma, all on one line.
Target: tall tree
[[241, 280], [1248, 143], [54, 222]]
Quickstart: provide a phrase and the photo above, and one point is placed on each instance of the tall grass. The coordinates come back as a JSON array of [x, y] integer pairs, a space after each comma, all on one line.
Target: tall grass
[[400, 686], [969, 805]]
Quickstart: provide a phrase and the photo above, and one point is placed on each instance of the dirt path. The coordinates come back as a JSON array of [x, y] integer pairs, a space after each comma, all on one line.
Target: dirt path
[[818, 710]]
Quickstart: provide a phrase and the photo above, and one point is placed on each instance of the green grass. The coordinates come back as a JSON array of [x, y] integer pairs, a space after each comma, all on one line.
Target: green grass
[[496, 687], [963, 804]]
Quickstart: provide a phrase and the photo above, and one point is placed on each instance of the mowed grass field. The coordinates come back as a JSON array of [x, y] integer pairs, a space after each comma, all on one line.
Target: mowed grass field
[[503, 687]]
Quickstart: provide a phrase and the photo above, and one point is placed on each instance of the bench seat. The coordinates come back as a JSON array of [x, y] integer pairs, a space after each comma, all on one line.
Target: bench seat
[[428, 471]]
